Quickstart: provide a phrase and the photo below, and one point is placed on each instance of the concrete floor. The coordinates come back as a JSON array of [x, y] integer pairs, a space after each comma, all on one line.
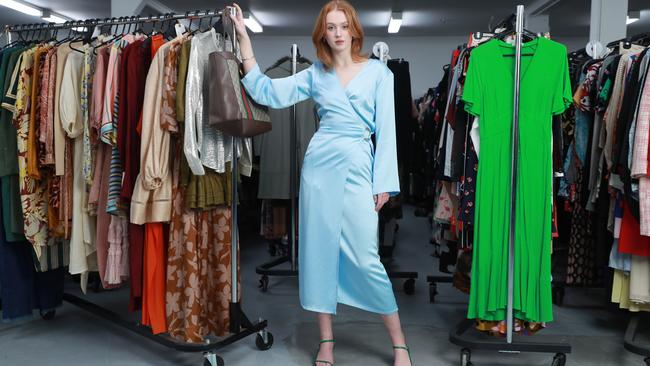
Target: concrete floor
[[75, 337]]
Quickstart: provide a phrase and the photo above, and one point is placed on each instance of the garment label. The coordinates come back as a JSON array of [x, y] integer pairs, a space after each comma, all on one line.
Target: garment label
[[180, 29]]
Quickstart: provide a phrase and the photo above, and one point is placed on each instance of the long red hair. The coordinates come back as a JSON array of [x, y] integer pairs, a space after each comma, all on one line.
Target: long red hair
[[323, 50]]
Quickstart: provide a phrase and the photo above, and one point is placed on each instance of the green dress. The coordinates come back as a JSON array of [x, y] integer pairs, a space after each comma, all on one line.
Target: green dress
[[488, 93]]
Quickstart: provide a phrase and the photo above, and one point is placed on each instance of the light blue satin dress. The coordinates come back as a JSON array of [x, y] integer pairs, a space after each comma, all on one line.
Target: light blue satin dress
[[338, 253]]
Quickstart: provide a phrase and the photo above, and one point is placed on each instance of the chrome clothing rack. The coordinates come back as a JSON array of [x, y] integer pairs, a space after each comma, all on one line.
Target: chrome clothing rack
[[460, 334]]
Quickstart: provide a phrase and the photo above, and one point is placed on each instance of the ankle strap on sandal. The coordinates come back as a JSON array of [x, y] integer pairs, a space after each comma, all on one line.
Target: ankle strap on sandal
[[327, 341], [401, 347]]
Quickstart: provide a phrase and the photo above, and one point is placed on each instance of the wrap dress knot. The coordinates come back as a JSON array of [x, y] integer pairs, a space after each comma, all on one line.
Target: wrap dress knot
[[342, 170]]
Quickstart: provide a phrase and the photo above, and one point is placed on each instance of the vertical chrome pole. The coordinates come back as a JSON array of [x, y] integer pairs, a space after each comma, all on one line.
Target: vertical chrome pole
[[293, 172], [234, 172], [514, 156]]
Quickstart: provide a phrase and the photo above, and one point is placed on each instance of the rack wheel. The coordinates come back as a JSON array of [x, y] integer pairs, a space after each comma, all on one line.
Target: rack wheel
[[433, 291], [559, 359], [465, 357], [48, 315], [213, 360], [647, 361], [264, 283], [259, 341], [409, 286]]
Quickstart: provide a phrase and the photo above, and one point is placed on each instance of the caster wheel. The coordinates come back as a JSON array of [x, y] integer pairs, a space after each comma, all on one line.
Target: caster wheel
[[47, 315], [559, 359], [433, 291], [264, 283], [409, 286], [213, 360], [465, 357], [261, 345]]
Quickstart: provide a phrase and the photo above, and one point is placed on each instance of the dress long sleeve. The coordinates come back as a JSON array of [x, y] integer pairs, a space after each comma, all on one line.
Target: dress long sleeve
[[278, 93], [384, 175]]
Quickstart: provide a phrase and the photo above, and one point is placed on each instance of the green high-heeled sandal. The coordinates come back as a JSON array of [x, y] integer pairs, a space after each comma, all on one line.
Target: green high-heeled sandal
[[317, 361], [405, 347]]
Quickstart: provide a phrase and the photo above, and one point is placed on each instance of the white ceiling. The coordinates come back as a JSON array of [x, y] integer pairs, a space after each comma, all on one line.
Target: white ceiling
[[420, 17]]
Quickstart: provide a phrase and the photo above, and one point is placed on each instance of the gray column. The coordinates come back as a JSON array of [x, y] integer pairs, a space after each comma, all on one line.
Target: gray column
[[608, 20], [538, 23]]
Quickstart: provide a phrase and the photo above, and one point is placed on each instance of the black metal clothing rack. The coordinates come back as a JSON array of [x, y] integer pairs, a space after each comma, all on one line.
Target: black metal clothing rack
[[240, 326], [463, 334]]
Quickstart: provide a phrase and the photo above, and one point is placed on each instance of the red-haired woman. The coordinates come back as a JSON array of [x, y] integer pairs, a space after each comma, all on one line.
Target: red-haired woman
[[345, 179]]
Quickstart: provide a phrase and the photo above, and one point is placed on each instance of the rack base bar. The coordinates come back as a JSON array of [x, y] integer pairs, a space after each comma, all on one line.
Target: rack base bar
[[440, 279], [266, 268], [164, 339], [433, 285], [631, 344], [483, 341]]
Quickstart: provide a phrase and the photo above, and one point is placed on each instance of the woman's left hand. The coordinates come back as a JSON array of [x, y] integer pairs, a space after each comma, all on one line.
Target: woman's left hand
[[380, 200]]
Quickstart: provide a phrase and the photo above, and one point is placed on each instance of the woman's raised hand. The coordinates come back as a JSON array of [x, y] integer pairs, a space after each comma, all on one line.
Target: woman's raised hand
[[240, 26]]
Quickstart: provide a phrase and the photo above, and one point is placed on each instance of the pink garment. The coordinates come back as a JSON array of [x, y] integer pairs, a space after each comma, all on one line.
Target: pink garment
[[117, 266], [640, 164], [107, 130], [97, 100], [100, 192]]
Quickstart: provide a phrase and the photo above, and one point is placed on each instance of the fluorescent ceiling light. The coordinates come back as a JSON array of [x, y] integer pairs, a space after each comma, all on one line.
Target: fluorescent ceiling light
[[51, 18], [395, 22], [252, 23], [22, 7], [633, 16]]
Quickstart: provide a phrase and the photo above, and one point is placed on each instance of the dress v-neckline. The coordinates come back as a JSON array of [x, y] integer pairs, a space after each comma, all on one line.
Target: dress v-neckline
[[346, 86], [537, 42]]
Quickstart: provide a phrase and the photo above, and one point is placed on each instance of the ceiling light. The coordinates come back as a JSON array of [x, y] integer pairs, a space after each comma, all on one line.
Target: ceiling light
[[252, 23], [395, 22], [22, 7], [50, 17], [633, 16]]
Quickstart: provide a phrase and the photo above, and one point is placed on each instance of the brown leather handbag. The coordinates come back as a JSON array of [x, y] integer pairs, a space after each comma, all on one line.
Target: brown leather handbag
[[230, 109]]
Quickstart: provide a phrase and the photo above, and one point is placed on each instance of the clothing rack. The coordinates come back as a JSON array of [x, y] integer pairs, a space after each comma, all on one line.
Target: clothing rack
[[266, 269], [458, 335], [240, 326]]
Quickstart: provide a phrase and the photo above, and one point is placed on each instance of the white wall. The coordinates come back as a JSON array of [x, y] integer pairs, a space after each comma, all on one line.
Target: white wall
[[426, 55]]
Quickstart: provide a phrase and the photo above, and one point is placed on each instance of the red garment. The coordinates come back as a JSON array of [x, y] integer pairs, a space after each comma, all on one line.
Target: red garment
[[631, 240], [155, 280], [133, 75], [128, 140], [155, 259]]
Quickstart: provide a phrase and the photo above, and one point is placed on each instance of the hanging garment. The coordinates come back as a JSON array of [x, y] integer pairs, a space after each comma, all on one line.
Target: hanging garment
[[341, 173], [205, 145], [82, 242], [274, 147], [199, 282], [545, 91]]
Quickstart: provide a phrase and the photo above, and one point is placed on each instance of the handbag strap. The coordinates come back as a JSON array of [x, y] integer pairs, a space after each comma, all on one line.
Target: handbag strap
[[229, 30]]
